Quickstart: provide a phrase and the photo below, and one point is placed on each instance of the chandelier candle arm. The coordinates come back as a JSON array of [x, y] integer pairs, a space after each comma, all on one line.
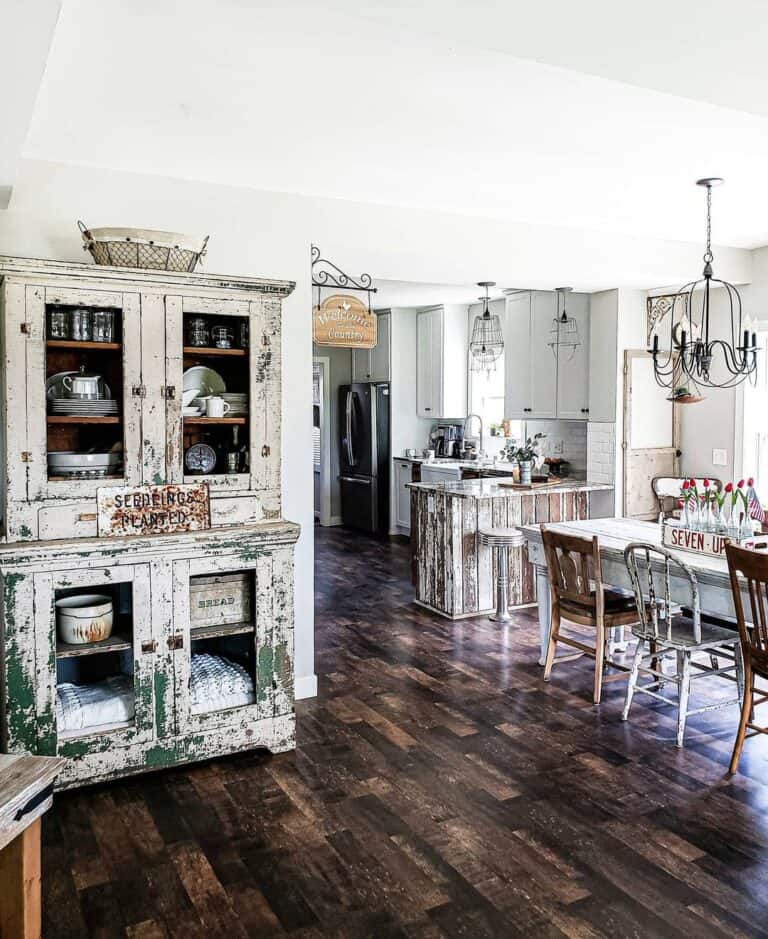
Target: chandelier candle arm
[[692, 350]]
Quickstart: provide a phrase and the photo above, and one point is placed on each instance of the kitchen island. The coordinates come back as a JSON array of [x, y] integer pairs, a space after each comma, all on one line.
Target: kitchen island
[[455, 575]]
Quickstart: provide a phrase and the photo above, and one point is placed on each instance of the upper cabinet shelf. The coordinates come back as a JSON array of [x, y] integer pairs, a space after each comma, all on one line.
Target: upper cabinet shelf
[[212, 350], [83, 346]]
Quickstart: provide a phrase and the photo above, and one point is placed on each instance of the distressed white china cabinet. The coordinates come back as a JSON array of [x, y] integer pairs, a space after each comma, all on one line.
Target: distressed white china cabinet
[[53, 544]]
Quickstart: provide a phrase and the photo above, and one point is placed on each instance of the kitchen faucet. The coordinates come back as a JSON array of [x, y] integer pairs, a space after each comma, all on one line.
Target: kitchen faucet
[[467, 421]]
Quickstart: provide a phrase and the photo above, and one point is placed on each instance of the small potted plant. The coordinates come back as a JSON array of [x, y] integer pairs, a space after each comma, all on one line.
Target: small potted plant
[[527, 455]]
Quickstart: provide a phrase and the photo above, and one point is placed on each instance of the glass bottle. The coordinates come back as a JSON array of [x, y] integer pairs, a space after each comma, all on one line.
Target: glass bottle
[[198, 333]]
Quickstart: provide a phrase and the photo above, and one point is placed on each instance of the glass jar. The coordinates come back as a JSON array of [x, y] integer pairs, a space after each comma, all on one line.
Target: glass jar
[[222, 336], [244, 334], [197, 331], [103, 325], [82, 325], [58, 324]]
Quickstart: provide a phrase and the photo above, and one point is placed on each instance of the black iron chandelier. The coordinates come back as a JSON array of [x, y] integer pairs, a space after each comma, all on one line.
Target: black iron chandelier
[[487, 342], [693, 354]]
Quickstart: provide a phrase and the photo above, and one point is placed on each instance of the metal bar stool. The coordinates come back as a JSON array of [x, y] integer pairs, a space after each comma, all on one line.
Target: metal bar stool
[[502, 539]]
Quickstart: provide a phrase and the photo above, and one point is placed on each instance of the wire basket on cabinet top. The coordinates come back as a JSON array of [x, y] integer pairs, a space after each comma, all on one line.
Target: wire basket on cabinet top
[[143, 248]]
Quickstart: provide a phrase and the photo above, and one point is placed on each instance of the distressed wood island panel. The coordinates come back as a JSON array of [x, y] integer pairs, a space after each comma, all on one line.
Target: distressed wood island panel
[[455, 574]]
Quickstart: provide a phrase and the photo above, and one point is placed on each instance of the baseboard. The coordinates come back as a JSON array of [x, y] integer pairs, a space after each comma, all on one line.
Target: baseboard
[[306, 687]]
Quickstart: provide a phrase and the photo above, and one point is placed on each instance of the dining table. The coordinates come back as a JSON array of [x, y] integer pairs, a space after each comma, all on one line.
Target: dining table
[[614, 534]]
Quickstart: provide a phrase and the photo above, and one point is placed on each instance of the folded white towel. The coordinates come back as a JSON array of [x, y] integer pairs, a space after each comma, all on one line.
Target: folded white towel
[[110, 701], [217, 683]]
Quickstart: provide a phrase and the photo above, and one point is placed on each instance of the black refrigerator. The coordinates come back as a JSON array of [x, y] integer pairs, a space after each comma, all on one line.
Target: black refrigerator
[[364, 456]]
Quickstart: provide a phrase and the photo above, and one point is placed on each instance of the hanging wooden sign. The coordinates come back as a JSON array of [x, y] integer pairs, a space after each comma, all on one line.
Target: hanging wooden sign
[[153, 510], [345, 321]]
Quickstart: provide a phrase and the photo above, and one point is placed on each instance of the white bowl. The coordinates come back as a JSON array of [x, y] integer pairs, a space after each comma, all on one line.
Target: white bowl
[[79, 460], [84, 618], [187, 396]]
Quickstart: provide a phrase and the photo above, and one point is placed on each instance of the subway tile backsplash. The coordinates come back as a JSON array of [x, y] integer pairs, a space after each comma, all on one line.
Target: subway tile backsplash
[[566, 439]]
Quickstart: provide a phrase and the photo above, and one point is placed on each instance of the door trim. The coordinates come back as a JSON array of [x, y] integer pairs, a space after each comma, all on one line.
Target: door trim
[[324, 361]]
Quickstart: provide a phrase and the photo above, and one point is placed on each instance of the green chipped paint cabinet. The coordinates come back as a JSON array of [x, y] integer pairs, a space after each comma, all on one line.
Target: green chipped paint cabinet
[[51, 549]]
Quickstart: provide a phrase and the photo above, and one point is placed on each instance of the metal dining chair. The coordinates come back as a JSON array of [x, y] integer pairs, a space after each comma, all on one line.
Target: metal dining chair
[[752, 567], [664, 631], [580, 596]]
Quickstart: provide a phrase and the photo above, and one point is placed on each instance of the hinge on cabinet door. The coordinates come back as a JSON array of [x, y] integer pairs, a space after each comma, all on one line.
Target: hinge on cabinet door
[[26, 456], [176, 642], [265, 450], [150, 646], [139, 391], [168, 391], [26, 328]]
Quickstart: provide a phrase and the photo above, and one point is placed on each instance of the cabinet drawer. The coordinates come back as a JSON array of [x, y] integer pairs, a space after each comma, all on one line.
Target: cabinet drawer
[[75, 520], [236, 509]]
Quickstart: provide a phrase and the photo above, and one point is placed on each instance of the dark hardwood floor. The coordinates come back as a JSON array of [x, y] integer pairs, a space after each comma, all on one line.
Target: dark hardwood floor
[[439, 788]]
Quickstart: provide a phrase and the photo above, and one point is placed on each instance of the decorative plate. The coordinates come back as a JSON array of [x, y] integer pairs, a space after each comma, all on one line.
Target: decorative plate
[[204, 378]]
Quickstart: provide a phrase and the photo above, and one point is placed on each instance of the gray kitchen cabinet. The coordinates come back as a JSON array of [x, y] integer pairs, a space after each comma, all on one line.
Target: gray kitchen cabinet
[[541, 381], [403, 476], [441, 361], [374, 364]]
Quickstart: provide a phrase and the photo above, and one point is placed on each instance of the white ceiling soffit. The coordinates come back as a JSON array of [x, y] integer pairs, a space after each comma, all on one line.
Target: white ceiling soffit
[[406, 105], [27, 28]]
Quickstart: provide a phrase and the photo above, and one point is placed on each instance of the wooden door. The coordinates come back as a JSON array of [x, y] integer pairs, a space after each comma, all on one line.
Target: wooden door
[[119, 364], [517, 356], [543, 359], [128, 654], [573, 364], [261, 643], [651, 435]]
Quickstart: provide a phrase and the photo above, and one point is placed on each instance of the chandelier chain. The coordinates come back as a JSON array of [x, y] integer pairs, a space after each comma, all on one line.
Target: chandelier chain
[[708, 256]]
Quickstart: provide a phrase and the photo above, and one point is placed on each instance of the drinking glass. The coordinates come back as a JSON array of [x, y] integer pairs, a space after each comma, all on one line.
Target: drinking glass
[[198, 333], [222, 336], [58, 324], [103, 325], [82, 325]]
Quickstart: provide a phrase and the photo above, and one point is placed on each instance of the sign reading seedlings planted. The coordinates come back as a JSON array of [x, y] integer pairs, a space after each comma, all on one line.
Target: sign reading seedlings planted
[[345, 321], [153, 510]]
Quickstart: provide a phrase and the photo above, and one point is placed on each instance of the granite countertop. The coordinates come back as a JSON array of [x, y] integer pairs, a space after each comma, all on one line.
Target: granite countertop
[[490, 488]]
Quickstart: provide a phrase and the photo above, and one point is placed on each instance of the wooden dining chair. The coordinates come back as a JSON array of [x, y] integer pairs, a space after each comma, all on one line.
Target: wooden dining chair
[[666, 630], [749, 572], [579, 596]]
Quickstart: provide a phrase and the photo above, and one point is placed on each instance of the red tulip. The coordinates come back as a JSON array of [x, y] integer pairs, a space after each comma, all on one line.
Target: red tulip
[[706, 483], [729, 487], [693, 483], [740, 484], [686, 485], [751, 481]]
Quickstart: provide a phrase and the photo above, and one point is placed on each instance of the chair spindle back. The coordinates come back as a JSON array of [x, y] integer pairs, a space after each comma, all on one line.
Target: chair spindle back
[[651, 569], [574, 567], [753, 568]]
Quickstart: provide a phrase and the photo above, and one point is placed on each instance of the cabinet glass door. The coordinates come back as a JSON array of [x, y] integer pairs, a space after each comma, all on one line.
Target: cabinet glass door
[[222, 402], [234, 649], [100, 690], [83, 390]]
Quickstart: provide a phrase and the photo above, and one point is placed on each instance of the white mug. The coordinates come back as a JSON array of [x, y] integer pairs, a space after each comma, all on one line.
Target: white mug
[[216, 407]]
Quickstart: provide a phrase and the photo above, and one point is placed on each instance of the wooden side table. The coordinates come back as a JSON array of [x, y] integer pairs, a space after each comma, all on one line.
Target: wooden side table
[[26, 792]]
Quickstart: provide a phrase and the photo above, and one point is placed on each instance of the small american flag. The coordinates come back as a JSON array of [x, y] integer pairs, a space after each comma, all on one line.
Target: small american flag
[[754, 509]]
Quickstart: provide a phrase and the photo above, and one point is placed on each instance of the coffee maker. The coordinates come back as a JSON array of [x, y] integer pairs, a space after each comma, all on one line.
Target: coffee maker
[[448, 440]]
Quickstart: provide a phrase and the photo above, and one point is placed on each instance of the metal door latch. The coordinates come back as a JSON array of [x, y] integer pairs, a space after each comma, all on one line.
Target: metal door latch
[[139, 391], [176, 642], [169, 392], [150, 646]]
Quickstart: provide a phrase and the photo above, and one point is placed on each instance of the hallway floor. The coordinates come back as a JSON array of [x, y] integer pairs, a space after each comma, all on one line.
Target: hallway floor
[[439, 788]]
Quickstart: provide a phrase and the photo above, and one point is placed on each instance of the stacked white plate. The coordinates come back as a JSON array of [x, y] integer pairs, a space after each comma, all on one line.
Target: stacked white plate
[[83, 407], [238, 403], [84, 465]]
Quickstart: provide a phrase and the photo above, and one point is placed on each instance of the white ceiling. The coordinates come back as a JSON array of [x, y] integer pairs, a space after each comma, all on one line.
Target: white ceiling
[[538, 113]]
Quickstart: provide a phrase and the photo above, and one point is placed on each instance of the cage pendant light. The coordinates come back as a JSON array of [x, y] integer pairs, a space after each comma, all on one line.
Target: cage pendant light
[[487, 342], [691, 352], [564, 334]]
